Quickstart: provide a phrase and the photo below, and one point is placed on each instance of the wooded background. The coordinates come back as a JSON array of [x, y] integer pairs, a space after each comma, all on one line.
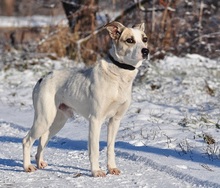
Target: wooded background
[[173, 26]]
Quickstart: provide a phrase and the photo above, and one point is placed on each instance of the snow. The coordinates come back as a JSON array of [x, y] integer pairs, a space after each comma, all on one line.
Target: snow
[[161, 141], [32, 21]]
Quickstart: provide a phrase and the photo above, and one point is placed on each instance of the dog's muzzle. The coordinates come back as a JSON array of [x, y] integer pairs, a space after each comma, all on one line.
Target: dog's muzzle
[[145, 53]]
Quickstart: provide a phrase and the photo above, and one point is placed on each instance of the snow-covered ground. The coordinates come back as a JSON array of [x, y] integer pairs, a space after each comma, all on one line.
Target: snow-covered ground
[[32, 21], [168, 138]]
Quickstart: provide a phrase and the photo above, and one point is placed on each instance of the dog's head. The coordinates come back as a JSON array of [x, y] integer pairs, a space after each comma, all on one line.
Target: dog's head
[[129, 44]]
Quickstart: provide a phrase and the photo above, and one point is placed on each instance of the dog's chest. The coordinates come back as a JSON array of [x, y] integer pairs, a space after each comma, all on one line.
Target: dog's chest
[[121, 93], [113, 98], [112, 89]]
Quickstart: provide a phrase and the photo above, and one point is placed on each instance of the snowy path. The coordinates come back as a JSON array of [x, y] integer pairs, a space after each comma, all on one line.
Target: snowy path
[[66, 164], [68, 161]]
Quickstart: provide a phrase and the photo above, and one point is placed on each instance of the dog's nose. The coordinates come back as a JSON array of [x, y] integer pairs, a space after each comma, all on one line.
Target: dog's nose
[[145, 52]]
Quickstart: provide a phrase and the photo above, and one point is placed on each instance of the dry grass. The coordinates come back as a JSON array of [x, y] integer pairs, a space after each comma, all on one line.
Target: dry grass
[[63, 43], [57, 41]]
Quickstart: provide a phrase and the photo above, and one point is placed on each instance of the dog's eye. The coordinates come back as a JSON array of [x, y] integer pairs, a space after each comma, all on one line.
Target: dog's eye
[[145, 39], [130, 40]]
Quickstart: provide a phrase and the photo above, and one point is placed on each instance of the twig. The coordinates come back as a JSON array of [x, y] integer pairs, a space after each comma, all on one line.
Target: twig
[[153, 17], [205, 35], [165, 15], [132, 7], [80, 41], [206, 167], [200, 20], [140, 6]]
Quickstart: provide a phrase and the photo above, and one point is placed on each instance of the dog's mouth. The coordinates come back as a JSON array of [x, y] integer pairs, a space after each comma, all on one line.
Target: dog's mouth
[[137, 55], [134, 60]]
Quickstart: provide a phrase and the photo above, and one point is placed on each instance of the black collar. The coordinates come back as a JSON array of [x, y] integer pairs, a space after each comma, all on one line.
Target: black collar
[[121, 65]]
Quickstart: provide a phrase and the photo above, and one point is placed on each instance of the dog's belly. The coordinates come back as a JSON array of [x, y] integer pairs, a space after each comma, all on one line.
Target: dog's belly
[[69, 111], [82, 108], [76, 104], [88, 105], [88, 108]]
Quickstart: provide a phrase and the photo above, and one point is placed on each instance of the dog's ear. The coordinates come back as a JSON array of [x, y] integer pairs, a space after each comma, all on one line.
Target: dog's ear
[[139, 26], [115, 29]]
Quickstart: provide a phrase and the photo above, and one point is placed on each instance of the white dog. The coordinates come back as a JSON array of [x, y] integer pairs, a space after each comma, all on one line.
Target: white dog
[[97, 93]]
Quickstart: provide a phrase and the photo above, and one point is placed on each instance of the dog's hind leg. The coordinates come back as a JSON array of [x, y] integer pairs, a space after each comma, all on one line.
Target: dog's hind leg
[[57, 125], [42, 121], [28, 141]]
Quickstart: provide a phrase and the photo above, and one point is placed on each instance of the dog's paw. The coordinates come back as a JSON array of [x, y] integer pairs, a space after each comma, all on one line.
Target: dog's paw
[[114, 171], [98, 173], [30, 168], [42, 165]]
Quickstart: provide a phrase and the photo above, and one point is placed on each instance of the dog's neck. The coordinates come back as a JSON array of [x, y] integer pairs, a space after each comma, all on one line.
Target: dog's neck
[[121, 65]]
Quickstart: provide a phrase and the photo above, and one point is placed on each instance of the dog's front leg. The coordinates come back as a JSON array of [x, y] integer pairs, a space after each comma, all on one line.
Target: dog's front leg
[[94, 135], [112, 132]]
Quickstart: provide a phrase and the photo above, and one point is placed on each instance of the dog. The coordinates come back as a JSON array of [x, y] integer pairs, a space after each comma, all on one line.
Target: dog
[[97, 93]]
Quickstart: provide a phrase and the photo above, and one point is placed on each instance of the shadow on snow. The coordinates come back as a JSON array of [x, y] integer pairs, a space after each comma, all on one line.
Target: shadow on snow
[[81, 145]]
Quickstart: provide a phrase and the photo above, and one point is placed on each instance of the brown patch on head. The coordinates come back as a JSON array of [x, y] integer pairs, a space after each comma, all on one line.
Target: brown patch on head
[[127, 34], [129, 38]]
